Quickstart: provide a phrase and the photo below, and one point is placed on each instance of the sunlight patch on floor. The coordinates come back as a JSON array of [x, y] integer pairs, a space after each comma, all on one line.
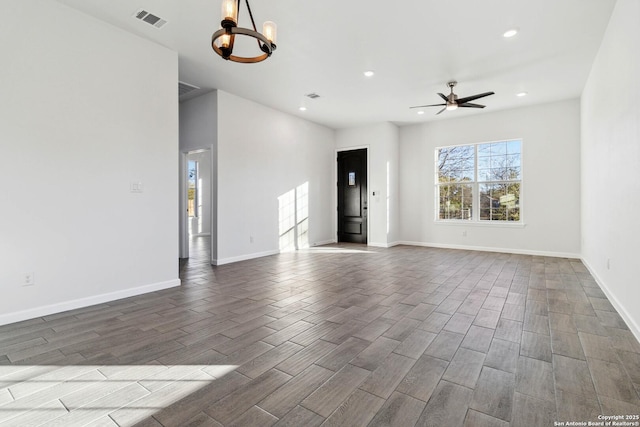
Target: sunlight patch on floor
[[81, 394]]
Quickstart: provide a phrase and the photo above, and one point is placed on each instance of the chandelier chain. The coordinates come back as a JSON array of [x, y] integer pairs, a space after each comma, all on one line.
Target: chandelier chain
[[252, 21]]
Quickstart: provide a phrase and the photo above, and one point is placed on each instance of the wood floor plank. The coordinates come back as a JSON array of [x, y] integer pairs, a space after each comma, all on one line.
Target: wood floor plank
[[423, 377], [357, 410], [343, 353], [300, 416], [333, 392], [287, 397], [465, 368], [237, 403], [529, 411], [371, 357], [448, 406], [399, 410], [494, 392], [384, 380], [535, 378], [445, 345], [573, 376]]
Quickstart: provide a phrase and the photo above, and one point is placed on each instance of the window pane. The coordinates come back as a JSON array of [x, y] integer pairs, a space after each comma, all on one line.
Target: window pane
[[498, 148], [500, 202], [499, 166], [456, 164], [456, 201], [513, 147], [192, 167]]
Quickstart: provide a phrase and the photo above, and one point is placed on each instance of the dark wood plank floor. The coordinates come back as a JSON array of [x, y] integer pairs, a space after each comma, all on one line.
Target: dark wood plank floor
[[338, 336]]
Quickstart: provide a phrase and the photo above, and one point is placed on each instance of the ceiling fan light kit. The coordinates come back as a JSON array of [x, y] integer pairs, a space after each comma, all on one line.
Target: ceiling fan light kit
[[222, 41], [452, 102]]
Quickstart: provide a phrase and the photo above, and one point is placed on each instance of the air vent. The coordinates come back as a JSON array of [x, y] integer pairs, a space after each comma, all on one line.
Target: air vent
[[185, 88], [150, 18], [312, 95]]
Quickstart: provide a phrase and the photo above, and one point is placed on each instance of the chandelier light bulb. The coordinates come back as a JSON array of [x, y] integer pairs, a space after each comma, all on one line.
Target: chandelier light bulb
[[452, 106], [229, 12], [225, 41], [270, 31]]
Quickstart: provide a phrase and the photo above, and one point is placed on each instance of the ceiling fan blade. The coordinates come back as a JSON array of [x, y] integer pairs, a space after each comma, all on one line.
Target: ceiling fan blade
[[432, 105], [441, 111], [470, 105], [443, 96], [472, 97]]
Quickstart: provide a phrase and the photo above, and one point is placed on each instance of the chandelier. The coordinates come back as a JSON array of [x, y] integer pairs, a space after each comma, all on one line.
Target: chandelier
[[222, 41]]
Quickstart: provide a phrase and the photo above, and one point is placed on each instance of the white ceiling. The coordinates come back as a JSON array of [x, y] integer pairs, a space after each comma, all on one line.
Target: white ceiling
[[414, 47]]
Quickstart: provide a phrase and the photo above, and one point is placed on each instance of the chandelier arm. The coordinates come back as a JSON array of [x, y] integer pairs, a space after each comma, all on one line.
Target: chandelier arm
[[251, 16], [253, 22]]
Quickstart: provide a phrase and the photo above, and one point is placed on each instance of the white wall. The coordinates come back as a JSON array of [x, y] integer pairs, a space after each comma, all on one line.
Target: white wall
[[611, 163], [382, 142], [551, 180], [199, 130], [86, 110], [262, 154], [199, 122]]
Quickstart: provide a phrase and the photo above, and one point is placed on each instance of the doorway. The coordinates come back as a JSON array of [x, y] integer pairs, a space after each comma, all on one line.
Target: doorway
[[352, 196], [196, 202]]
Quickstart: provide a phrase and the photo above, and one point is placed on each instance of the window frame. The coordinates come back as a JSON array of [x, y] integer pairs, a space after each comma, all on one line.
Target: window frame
[[475, 220]]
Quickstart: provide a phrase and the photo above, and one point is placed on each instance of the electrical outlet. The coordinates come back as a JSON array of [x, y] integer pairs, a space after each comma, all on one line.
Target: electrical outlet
[[464, 233], [250, 239], [608, 264], [28, 279]]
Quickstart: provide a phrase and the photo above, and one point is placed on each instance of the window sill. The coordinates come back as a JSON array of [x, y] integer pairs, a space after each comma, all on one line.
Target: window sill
[[494, 224]]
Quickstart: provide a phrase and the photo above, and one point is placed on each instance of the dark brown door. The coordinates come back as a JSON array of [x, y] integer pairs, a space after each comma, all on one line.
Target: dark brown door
[[352, 196]]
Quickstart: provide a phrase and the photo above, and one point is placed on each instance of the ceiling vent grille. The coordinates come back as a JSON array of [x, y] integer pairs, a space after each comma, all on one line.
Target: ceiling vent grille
[[150, 18], [185, 88], [312, 95]]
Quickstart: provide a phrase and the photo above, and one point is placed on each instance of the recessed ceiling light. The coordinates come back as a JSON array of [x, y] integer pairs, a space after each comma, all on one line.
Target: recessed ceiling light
[[369, 73], [510, 33], [302, 108], [521, 94], [420, 112]]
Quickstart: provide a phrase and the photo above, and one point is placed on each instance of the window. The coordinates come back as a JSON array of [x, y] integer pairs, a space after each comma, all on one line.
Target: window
[[479, 182], [192, 191]]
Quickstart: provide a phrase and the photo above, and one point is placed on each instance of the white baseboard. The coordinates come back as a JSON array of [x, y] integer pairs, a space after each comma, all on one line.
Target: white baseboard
[[46, 310], [383, 245], [223, 261], [631, 323], [490, 249]]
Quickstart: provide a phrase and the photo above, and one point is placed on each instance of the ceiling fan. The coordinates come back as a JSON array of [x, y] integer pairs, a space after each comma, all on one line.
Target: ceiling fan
[[452, 101]]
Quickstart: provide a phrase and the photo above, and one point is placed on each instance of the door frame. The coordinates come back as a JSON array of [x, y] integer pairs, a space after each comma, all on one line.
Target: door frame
[[183, 227], [183, 217], [335, 189]]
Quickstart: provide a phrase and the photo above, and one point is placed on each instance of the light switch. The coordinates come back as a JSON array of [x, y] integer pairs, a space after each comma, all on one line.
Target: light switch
[[137, 187]]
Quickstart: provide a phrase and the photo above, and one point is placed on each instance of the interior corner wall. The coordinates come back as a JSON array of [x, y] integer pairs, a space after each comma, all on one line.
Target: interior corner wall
[[198, 131], [262, 155], [550, 186], [610, 116], [382, 141], [87, 111]]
